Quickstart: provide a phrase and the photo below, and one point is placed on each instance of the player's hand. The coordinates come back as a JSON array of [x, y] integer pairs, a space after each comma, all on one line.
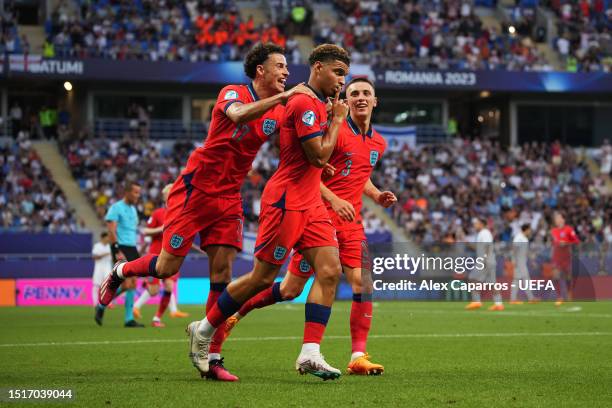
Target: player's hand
[[120, 256], [340, 108], [344, 209], [328, 171], [300, 88], [387, 199]]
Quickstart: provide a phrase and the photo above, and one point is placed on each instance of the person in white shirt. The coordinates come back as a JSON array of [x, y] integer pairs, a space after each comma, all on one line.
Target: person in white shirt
[[520, 252], [103, 265], [485, 250]]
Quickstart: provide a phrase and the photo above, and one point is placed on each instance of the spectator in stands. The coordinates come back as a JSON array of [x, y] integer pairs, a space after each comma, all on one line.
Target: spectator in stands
[[29, 198], [16, 115], [171, 31], [441, 189]]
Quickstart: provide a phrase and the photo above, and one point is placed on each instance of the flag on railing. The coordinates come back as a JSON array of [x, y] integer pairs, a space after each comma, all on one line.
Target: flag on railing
[[398, 137]]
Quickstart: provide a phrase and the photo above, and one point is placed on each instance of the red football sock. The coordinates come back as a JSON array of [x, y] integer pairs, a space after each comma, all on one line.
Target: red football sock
[[143, 266], [217, 340], [317, 317], [222, 309], [215, 291], [215, 316], [313, 332], [262, 299], [361, 319], [163, 304]]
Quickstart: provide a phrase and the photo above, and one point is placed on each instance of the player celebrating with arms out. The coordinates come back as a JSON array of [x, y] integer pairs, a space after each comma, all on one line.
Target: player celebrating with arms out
[[357, 151], [293, 215], [205, 199]]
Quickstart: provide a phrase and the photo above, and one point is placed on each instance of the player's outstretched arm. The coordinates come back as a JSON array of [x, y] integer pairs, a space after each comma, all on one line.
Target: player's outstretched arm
[[152, 231], [343, 208], [240, 113], [384, 198], [319, 149]]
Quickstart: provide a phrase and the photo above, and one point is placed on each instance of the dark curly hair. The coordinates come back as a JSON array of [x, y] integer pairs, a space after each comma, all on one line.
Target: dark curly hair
[[328, 53], [258, 55]]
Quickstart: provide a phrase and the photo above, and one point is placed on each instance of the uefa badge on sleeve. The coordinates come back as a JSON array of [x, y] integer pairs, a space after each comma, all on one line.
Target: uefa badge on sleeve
[[231, 94], [309, 118]]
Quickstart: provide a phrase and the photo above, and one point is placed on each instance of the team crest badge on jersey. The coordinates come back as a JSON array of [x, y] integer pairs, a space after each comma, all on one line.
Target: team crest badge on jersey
[[373, 157], [269, 126], [309, 118], [230, 95], [304, 266], [279, 252], [176, 241]]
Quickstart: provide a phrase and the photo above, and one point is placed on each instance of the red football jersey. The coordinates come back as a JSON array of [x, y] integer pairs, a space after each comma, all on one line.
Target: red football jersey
[[354, 158], [561, 240], [220, 166], [156, 220], [295, 185]]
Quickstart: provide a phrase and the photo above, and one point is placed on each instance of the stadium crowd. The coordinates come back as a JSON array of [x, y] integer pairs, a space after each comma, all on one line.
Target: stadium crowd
[[423, 34], [389, 33], [584, 39], [29, 198], [11, 42], [442, 187], [155, 30], [101, 165]]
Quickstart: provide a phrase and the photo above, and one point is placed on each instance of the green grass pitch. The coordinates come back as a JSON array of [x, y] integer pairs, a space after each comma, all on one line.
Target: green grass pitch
[[435, 355]]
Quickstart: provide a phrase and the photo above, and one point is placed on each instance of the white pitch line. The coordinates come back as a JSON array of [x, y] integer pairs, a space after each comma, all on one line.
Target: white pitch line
[[560, 313], [569, 312], [272, 338]]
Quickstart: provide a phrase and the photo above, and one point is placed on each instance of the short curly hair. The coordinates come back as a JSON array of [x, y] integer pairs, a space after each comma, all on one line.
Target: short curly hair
[[328, 53], [258, 55]]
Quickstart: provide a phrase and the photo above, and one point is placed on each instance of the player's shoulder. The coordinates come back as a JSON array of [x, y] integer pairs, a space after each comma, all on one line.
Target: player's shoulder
[[378, 138], [302, 100], [278, 111], [232, 91]]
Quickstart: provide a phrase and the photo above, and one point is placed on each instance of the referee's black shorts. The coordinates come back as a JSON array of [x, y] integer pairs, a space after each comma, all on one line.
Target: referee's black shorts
[[130, 253]]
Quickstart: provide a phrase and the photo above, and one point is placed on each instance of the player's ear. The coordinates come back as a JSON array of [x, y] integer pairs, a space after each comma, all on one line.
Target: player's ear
[[260, 69], [375, 102]]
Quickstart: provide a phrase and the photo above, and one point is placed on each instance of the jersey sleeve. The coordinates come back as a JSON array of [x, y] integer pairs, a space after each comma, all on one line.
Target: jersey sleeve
[[112, 214], [97, 250], [384, 145], [228, 96], [153, 221], [303, 113], [572, 237]]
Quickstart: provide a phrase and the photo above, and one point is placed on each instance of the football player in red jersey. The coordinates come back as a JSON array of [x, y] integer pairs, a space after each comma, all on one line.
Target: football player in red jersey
[[154, 229], [563, 238], [205, 199], [293, 215], [358, 150]]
